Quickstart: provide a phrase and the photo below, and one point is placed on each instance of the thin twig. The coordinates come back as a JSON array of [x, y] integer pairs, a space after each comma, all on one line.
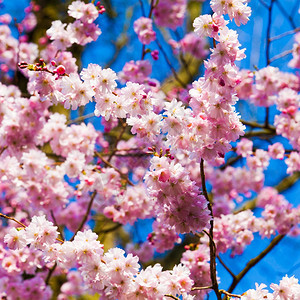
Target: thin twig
[[114, 149], [256, 125], [56, 224], [81, 118], [169, 64], [230, 161], [263, 3], [152, 5], [124, 176], [171, 296], [282, 54], [50, 273], [225, 266], [284, 12], [85, 217], [277, 37], [200, 288], [268, 51], [142, 8], [229, 294], [23, 225], [13, 219]]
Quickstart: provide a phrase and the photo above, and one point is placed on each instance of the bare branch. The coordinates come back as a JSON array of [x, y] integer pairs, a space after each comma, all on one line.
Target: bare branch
[[85, 217], [284, 53], [229, 294], [274, 38], [254, 261], [124, 176], [225, 266], [212, 246]]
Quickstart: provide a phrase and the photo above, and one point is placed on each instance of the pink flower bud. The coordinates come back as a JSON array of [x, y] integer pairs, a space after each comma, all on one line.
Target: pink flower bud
[[43, 40], [23, 38], [4, 68], [154, 54], [60, 70], [101, 10]]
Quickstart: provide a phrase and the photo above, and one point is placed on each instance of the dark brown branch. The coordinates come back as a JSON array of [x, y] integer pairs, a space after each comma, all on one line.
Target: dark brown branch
[[212, 246], [262, 133], [55, 223], [254, 261], [51, 271], [229, 294], [171, 296], [124, 176], [85, 217], [284, 12], [169, 64], [225, 266], [114, 149]]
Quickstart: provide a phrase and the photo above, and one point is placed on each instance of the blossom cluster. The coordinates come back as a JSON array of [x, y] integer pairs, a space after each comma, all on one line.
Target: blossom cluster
[[111, 274]]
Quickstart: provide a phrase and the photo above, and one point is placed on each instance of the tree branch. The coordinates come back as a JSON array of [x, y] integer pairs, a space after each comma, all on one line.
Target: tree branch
[[124, 176], [225, 266], [212, 246], [254, 261], [85, 217]]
